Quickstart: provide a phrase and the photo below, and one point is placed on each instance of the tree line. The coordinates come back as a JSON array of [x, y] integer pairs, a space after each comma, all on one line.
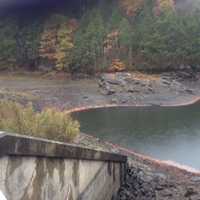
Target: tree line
[[98, 40]]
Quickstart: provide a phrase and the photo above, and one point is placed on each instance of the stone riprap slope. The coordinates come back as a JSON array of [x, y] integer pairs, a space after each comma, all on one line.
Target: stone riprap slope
[[142, 184]]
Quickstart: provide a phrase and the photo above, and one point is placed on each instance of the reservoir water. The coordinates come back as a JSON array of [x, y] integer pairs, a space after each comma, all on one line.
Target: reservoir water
[[166, 133]]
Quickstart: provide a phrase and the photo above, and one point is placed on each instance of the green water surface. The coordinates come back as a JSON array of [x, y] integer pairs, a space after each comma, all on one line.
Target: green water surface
[[166, 133]]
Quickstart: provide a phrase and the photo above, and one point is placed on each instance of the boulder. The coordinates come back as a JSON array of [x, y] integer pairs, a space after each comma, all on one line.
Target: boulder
[[189, 91]]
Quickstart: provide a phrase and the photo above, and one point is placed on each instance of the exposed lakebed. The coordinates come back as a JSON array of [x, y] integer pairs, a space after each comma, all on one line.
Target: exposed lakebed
[[166, 133]]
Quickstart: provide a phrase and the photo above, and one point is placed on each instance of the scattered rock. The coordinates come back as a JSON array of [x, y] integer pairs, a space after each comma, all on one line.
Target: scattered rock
[[109, 91], [123, 101], [114, 100], [142, 184], [166, 82], [85, 97], [196, 179], [114, 82], [100, 83], [150, 89], [136, 82], [124, 86], [189, 91], [190, 192], [130, 89]]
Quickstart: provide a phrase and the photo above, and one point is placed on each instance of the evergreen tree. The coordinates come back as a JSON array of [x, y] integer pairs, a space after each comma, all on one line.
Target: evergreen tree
[[89, 44], [125, 39], [28, 39], [115, 19], [8, 32]]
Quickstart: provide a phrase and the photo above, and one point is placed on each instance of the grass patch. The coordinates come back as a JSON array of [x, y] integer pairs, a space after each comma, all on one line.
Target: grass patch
[[50, 123]]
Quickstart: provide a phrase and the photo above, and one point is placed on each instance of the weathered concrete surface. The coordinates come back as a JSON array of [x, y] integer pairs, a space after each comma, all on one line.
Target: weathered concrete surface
[[19, 145], [24, 176], [29, 178]]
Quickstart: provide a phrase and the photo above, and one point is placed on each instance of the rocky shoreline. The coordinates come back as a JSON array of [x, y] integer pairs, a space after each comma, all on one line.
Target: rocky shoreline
[[142, 184], [127, 88]]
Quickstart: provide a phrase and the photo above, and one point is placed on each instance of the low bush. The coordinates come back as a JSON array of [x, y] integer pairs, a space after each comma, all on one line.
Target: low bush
[[50, 123]]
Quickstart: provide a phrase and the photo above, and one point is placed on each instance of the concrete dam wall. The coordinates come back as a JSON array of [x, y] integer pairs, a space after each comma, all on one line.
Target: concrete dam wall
[[38, 169]]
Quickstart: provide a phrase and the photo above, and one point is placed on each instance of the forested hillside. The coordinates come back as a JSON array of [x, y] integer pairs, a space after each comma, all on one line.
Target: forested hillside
[[100, 35]]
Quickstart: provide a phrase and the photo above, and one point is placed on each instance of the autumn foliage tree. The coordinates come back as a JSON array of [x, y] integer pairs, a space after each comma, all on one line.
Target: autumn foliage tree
[[56, 43], [48, 42], [64, 46]]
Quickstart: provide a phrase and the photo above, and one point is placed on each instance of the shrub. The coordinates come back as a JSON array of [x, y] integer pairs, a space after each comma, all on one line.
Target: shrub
[[49, 123]]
